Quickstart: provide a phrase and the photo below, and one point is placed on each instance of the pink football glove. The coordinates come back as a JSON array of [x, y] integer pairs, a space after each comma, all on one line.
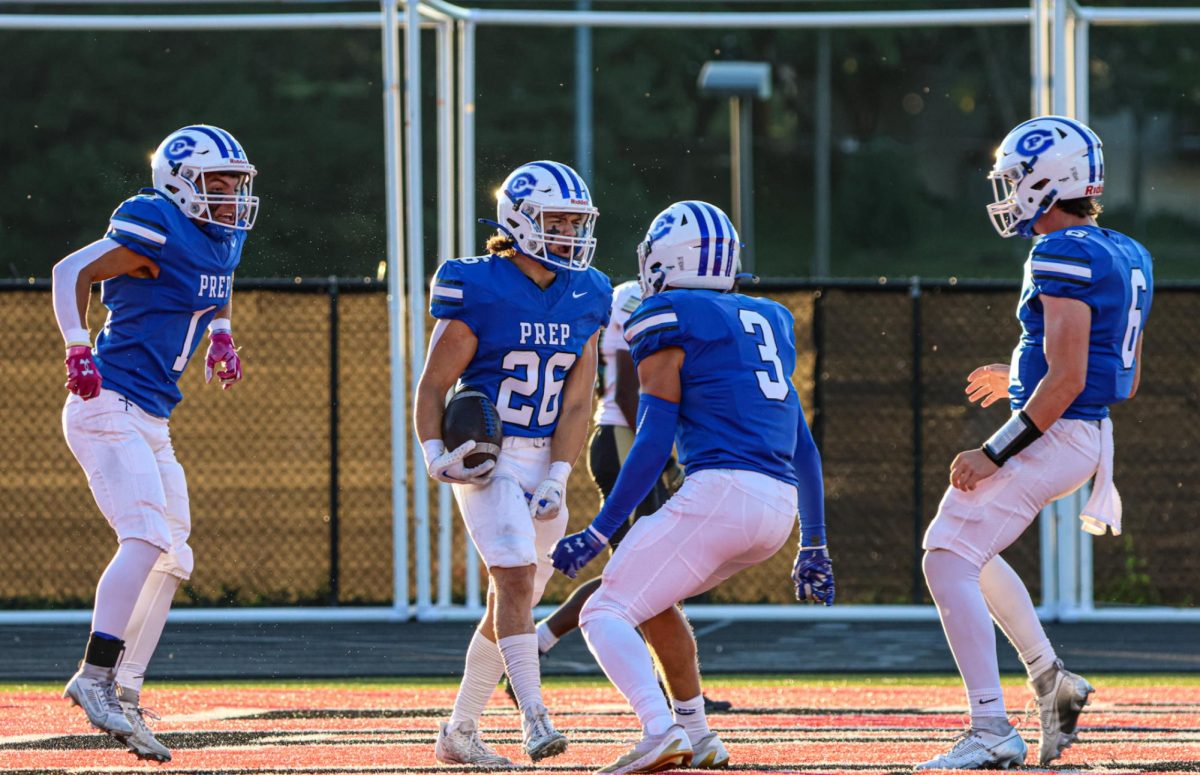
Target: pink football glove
[[83, 378], [221, 350]]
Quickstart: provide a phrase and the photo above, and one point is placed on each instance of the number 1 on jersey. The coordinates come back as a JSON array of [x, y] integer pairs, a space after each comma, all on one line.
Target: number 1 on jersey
[[181, 360], [773, 386]]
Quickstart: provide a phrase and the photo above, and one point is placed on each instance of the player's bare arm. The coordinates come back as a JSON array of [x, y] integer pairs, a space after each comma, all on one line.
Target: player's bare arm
[[627, 387], [1068, 327], [1137, 374], [988, 384], [452, 347], [659, 374]]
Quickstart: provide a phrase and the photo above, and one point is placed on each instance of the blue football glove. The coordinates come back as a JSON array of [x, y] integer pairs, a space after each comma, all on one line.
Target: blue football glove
[[813, 575], [577, 550]]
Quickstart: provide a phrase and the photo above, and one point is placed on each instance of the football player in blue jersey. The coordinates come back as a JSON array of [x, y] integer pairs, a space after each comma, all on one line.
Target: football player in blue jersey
[[1084, 302], [166, 267], [519, 324], [716, 366]]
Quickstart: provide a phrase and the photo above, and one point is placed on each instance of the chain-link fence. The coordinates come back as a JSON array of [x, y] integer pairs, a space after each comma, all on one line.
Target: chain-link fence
[[290, 473]]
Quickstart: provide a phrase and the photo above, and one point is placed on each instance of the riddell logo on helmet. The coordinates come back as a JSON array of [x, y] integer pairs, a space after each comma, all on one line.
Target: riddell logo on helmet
[[1094, 190], [580, 202]]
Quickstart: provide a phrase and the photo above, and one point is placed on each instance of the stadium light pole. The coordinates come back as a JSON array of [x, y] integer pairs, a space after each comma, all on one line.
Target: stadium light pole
[[739, 81]]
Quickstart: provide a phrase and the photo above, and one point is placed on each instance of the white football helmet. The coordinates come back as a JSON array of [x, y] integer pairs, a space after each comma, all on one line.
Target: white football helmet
[[178, 168], [691, 245], [534, 189], [1040, 162]]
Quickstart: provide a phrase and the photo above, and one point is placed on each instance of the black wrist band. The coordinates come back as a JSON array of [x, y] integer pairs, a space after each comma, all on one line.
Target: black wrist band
[[1012, 437]]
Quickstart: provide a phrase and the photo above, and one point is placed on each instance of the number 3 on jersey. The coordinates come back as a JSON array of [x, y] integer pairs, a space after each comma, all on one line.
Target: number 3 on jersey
[[549, 378], [773, 385]]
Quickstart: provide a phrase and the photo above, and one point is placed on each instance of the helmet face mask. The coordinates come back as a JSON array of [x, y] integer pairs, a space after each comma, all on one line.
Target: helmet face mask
[[181, 167], [531, 193], [1040, 162], [691, 244]]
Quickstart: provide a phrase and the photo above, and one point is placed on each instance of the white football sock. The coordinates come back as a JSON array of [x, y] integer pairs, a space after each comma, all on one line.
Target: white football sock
[[520, 654], [546, 638], [480, 675], [146, 628], [1012, 608], [954, 584], [689, 714], [626, 661], [121, 584]]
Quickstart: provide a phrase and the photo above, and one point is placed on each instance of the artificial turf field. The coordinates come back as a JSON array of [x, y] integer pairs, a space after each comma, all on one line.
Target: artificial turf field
[[779, 724]]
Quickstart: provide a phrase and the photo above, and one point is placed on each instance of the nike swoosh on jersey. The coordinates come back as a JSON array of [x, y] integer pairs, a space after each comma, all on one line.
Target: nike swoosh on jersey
[[575, 295]]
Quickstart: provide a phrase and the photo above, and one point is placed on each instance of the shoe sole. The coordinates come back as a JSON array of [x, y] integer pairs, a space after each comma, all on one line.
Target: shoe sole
[[552, 747], [669, 759], [1066, 739], [150, 757], [709, 762]]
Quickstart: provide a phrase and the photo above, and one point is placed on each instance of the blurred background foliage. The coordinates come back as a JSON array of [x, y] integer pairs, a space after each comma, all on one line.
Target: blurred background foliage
[[916, 116]]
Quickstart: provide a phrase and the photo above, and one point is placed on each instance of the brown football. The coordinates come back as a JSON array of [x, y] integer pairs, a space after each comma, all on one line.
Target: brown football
[[471, 416]]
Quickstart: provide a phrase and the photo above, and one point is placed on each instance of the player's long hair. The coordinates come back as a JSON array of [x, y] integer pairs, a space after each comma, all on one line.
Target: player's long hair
[[501, 245], [1083, 207]]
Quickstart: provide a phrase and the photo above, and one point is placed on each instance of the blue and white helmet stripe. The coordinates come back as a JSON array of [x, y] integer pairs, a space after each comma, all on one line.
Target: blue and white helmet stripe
[[691, 244]]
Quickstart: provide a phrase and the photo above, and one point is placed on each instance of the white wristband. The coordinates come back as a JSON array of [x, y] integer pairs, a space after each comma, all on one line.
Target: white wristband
[[77, 337], [432, 448], [220, 324], [560, 471]]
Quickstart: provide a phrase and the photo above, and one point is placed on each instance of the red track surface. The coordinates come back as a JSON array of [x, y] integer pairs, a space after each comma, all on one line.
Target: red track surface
[[801, 728]]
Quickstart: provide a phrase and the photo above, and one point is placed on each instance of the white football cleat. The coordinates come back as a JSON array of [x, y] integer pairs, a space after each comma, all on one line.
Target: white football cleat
[[978, 749], [461, 744], [542, 740], [1060, 709], [660, 752], [142, 742], [709, 753], [97, 695]]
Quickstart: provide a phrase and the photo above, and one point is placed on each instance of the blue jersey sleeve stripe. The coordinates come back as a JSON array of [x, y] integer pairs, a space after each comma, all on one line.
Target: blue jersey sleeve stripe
[[125, 215], [146, 248], [1056, 267], [649, 307], [651, 324], [1082, 260], [216, 138], [128, 227], [661, 329], [562, 182], [1044, 278], [703, 223]]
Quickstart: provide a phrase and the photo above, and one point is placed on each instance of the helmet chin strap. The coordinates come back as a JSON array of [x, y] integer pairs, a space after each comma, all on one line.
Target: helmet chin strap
[[1025, 228]]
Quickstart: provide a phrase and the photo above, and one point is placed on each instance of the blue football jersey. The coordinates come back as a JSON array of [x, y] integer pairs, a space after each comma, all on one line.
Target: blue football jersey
[[529, 338], [1113, 275], [739, 408], [154, 325]]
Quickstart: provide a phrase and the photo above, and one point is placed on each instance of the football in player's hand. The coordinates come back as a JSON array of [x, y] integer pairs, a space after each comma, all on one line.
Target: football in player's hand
[[470, 416]]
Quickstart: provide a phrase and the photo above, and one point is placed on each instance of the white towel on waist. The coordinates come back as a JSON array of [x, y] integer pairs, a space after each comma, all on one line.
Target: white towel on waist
[[1103, 509]]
